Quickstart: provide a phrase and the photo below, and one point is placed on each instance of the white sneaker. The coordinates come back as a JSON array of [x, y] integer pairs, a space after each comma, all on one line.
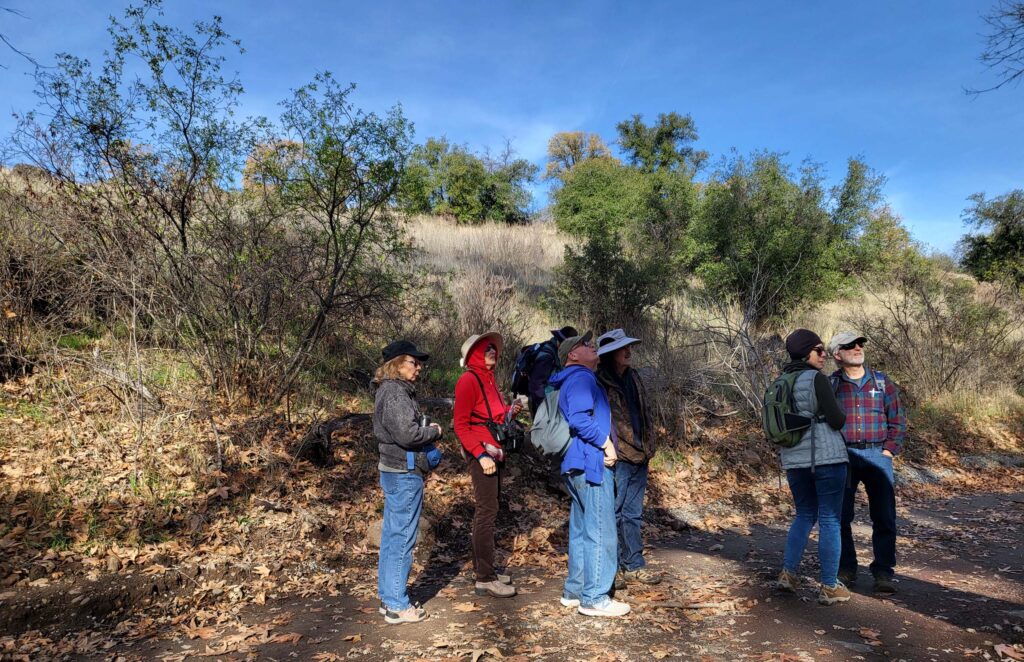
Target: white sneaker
[[608, 608], [569, 602]]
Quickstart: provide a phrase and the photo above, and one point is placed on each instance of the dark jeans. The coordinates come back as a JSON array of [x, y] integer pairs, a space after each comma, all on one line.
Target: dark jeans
[[486, 490], [870, 467], [818, 496], [630, 485]]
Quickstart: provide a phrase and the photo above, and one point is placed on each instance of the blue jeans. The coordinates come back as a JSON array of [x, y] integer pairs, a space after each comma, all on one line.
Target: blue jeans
[[630, 485], [592, 539], [819, 498], [870, 467], [403, 503]]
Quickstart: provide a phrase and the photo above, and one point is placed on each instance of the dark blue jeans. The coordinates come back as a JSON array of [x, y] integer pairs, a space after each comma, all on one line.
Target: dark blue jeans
[[818, 496], [630, 485], [870, 467]]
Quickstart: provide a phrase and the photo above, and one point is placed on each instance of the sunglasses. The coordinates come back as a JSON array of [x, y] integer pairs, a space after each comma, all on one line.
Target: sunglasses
[[414, 363], [851, 345], [818, 350]]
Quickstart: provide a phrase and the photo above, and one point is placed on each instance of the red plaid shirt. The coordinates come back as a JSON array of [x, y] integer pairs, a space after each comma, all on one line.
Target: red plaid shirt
[[874, 413]]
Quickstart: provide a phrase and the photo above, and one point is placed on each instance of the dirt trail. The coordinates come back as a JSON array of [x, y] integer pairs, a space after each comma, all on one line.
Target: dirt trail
[[961, 594]]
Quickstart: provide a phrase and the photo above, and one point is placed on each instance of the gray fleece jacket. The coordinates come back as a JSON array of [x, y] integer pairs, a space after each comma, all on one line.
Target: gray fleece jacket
[[396, 426]]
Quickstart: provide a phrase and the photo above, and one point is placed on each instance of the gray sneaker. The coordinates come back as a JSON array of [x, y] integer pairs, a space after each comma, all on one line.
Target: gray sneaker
[[495, 589]]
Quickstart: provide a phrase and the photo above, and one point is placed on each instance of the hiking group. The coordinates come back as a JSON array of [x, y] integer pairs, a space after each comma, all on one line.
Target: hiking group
[[592, 416]]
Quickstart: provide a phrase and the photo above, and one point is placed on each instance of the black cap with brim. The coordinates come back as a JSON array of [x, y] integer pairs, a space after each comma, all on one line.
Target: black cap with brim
[[402, 347], [564, 332]]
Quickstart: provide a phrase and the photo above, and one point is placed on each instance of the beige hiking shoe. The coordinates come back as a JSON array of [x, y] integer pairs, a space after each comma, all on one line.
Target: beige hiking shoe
[[413, 614], [787, 581], [641, 576], [495, 589], [830, 595]]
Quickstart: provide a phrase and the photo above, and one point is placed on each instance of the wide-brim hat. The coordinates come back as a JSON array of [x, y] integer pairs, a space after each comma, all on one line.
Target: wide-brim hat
[[613, 340], [400, 348], [569, 344], [843, 338], [467, 346]]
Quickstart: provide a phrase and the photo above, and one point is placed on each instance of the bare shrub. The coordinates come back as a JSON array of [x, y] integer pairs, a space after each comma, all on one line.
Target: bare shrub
[[940, 333]]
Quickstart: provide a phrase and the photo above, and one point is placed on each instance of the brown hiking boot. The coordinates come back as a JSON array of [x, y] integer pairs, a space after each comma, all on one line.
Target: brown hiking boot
[[830, 595], [495, 589], [620, 581], [848, 577], [884, 585], [642, 576], [787, 581]]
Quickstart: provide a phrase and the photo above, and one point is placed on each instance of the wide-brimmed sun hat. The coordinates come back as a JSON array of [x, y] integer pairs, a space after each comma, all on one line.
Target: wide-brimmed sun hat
[[613, 340], [467, 346]]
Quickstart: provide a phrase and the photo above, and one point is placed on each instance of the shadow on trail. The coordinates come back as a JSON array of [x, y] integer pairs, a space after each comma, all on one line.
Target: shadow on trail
[[923, 592]]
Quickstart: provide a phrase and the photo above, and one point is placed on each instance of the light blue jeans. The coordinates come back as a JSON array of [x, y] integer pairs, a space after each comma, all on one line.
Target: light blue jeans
[[630, 485], [403, 503], [592, 539], [818, 496]]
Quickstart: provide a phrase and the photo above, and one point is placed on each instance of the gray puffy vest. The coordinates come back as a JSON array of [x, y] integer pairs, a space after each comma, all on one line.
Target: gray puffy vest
[[820, 444]]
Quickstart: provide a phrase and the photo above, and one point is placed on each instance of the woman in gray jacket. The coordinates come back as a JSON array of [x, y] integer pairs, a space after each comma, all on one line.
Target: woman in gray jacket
[[405, 439], [815, 468]]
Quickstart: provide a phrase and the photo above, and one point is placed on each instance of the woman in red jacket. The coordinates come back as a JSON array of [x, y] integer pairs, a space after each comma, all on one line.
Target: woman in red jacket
[[477, 401]]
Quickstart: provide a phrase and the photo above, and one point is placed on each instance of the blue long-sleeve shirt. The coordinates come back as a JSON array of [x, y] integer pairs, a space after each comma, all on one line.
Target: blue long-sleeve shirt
[[584, 404]]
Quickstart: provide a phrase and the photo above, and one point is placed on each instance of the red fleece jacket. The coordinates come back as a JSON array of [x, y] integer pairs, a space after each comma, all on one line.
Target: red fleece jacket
[[469, 403]]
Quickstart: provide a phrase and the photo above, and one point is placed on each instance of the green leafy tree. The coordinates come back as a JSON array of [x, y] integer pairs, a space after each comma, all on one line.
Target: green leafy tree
[[566, 149], [665, 145], [450, 180], [774, 243], [998, 253]]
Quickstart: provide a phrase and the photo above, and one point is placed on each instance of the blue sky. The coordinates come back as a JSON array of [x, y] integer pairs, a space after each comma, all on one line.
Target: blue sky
[[881, 80]]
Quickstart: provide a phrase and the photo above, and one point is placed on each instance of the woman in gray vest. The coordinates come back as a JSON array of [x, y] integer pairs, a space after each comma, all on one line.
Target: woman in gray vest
[[815, 468]]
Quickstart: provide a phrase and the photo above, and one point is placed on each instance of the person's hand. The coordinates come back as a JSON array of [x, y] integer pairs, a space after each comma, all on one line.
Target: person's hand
[[488, 465], [887, 454], [517, 406], [437, 427], [610, 455]]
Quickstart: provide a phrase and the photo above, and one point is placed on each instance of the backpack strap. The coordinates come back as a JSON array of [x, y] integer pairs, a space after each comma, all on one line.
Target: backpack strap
[[487, 403]]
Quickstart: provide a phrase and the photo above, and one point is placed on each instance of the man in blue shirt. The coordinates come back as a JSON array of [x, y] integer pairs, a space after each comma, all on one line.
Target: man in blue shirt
[[587, 467]]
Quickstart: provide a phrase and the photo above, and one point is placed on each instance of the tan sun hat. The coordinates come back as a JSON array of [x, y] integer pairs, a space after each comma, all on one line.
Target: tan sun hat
[[493, 336]]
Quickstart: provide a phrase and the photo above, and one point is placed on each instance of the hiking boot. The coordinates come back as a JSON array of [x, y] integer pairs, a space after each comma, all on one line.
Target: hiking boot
[[413, 614], [830, 595], [620, 581], [641, 576], [607, 608], [787, 581], [569, 602], [848, 577], [384, 610], [884, 585], [495, 589]]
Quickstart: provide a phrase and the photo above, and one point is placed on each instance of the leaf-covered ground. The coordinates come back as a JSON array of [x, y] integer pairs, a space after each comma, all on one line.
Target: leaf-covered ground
[[205, 538]]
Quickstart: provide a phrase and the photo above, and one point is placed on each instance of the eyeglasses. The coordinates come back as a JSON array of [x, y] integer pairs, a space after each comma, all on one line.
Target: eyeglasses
[[819, 350], [414, 363], [850, 345]]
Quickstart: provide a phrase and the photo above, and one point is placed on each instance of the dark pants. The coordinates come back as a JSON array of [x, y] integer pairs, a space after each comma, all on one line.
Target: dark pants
[[870, 467], [485, 494]]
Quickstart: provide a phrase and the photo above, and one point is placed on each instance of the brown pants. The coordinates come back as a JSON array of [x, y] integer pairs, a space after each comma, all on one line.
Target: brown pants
[[486, 490]]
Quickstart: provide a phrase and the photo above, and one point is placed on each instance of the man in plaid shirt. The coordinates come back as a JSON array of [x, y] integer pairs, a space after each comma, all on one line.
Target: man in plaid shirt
[[875, 426]]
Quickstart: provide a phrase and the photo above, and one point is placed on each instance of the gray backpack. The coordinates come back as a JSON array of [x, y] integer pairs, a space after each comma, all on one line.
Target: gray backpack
[[550, 433]]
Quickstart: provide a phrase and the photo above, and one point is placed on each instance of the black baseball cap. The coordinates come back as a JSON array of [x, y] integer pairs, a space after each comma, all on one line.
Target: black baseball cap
[[400, 347]]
